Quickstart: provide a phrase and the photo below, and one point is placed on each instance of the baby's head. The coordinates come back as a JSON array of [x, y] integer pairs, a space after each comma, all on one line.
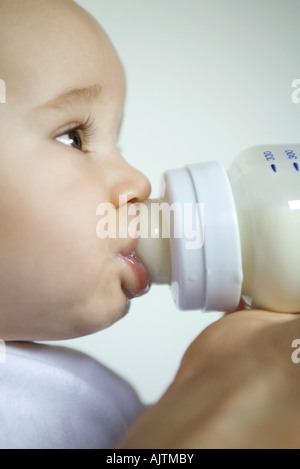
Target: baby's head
[[58, 161]]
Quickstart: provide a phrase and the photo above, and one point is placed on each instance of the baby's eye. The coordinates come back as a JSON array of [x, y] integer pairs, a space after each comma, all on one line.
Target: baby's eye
[[71, 139], [79, 136]]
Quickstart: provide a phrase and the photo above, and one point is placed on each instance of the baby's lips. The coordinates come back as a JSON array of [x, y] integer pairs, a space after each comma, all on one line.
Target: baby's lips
[[142, 281]]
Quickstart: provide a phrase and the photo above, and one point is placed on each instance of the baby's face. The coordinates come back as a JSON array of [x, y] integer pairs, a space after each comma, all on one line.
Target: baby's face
[[58, 162]]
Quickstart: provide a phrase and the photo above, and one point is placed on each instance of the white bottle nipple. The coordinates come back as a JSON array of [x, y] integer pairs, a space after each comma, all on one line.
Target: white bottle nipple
[[153, 247], [192, 238]]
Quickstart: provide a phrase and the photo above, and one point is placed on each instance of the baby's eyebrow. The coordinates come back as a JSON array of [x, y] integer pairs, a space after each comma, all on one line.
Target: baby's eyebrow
[[69, 97]]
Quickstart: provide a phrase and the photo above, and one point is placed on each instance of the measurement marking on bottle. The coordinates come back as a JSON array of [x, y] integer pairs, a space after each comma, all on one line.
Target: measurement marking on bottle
[[273, 166], [292, 156], [270, 157]]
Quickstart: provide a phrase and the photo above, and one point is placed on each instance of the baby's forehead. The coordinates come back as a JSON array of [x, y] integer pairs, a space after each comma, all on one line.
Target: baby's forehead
[[43, 19], [50, 43], [21, 9], [27, 27]]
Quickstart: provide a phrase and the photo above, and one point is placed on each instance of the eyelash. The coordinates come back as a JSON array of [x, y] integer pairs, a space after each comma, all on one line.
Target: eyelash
[[86, 129]]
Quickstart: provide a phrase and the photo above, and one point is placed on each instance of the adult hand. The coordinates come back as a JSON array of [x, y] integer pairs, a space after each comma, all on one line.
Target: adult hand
[[237, 387]]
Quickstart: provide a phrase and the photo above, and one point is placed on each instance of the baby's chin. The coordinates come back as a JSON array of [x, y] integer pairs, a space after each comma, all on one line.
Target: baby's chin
[[98, 319], [116, 315], [89, 322]]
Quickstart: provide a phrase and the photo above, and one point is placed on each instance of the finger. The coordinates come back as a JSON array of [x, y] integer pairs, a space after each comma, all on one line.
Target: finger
[[231, 334]]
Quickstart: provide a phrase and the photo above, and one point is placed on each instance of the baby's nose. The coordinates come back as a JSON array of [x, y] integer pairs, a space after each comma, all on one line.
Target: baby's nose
[[129, 183]]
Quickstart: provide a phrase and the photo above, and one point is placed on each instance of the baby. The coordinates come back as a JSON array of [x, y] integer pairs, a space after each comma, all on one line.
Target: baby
[[59, 160]]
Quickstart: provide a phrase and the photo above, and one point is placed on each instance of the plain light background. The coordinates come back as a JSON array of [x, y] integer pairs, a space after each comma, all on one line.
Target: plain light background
[[206, 79]]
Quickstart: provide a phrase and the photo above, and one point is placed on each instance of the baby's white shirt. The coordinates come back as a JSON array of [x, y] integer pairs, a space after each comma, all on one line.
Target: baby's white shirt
[[57, 398]]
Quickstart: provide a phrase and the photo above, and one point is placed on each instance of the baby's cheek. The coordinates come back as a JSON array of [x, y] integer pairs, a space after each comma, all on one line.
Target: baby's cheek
[[72, 263], [60, 277]]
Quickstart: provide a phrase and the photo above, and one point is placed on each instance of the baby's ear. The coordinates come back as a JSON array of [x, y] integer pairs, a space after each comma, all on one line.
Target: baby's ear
[[2, 92]]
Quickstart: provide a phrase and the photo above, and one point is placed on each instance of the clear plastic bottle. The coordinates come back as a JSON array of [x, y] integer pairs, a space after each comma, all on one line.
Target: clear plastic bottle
[[222, 235]]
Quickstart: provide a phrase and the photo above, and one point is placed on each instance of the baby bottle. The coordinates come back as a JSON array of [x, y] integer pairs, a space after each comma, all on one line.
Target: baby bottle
[[217, 236]]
